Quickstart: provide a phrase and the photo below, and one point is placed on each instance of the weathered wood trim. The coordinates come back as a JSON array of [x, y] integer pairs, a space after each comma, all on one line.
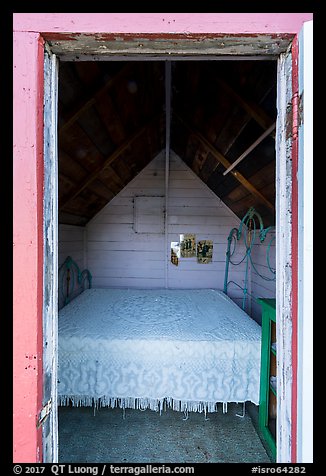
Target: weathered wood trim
[[104, 46], [224, 161], [294, 247], [284, 262], [50, 264]]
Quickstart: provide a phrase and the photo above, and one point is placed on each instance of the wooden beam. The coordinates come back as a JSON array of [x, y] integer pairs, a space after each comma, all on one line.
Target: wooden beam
[[76, 214], [67, 179], [223, 160], [82, 170], [253, 109], [90, 100], [115, 177], [93, 175], [250, 148]]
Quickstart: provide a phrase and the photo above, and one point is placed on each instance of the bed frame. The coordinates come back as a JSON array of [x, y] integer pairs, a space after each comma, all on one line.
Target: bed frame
[[251, 229], [72, 281]]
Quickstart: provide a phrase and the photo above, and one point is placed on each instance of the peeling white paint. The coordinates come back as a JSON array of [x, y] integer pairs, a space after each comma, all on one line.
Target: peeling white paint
[[50, 270], [283, 262]]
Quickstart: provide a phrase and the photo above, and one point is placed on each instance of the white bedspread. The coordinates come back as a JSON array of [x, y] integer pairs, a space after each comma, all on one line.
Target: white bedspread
[[186, 349]]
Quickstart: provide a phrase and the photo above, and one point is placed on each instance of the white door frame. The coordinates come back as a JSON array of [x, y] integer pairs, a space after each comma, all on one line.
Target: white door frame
[[50, 260], [305, 247]]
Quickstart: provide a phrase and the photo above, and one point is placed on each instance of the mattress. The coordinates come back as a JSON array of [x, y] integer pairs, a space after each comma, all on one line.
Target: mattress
[[132, 348]]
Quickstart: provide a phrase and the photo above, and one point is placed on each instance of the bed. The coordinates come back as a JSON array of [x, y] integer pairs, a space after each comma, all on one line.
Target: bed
[[188, 350]]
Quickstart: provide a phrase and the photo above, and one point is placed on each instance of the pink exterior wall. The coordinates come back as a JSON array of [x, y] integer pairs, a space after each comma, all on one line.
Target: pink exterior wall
[[28, 244], [28, 170], [161, 23]]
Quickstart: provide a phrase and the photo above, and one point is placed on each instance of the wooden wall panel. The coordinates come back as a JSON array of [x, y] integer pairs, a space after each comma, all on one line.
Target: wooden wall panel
[[71, 243], [193, 208], [119, 257]]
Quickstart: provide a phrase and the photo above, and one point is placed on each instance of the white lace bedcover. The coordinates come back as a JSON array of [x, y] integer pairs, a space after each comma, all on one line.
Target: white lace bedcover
[[187, 349]]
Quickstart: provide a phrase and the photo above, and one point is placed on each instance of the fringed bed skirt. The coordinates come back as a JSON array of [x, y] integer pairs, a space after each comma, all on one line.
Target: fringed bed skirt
[[157, 405]]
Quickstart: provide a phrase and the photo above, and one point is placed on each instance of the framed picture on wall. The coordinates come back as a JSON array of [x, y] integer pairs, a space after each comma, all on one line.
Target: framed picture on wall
[[204, 251], [175, 252], [187, 245]]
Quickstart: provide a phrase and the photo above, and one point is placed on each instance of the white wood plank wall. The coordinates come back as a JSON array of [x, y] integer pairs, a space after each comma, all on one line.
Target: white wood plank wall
[[194, 208], [117, 256], [71, 243]]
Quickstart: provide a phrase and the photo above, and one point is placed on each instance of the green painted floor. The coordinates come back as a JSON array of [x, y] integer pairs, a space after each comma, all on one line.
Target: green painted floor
[[148, 437]]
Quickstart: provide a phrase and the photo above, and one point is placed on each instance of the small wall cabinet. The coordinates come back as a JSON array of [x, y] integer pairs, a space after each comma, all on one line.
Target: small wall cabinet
[[267, 403]]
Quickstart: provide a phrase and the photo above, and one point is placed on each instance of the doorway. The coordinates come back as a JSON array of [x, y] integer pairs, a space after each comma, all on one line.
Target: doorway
[[282, 173]]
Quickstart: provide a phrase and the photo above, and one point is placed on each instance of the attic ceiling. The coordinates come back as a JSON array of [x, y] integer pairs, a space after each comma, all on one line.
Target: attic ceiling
[[111, 124]]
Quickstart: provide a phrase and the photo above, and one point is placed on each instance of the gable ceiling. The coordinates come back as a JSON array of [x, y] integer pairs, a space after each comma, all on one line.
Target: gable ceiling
[[111, 124]]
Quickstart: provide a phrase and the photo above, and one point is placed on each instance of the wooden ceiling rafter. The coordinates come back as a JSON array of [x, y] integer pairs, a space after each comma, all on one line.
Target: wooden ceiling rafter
[[224, 161], [250, 148], [75, 213], [114, 176], [101, 121], [82, 104], [107, 162], [223, 139], [116, 179], [74, 183], [98, 188], [67, 179], [106, 109], [67, 218], [122, 168], [255, 111], [95, 191]]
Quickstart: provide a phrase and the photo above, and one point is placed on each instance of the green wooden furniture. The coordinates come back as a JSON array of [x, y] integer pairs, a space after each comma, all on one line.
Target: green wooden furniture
[[267, 404]]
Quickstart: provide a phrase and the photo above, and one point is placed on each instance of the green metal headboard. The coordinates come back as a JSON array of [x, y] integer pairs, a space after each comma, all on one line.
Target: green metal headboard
[[248, 228], [72, 281]]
